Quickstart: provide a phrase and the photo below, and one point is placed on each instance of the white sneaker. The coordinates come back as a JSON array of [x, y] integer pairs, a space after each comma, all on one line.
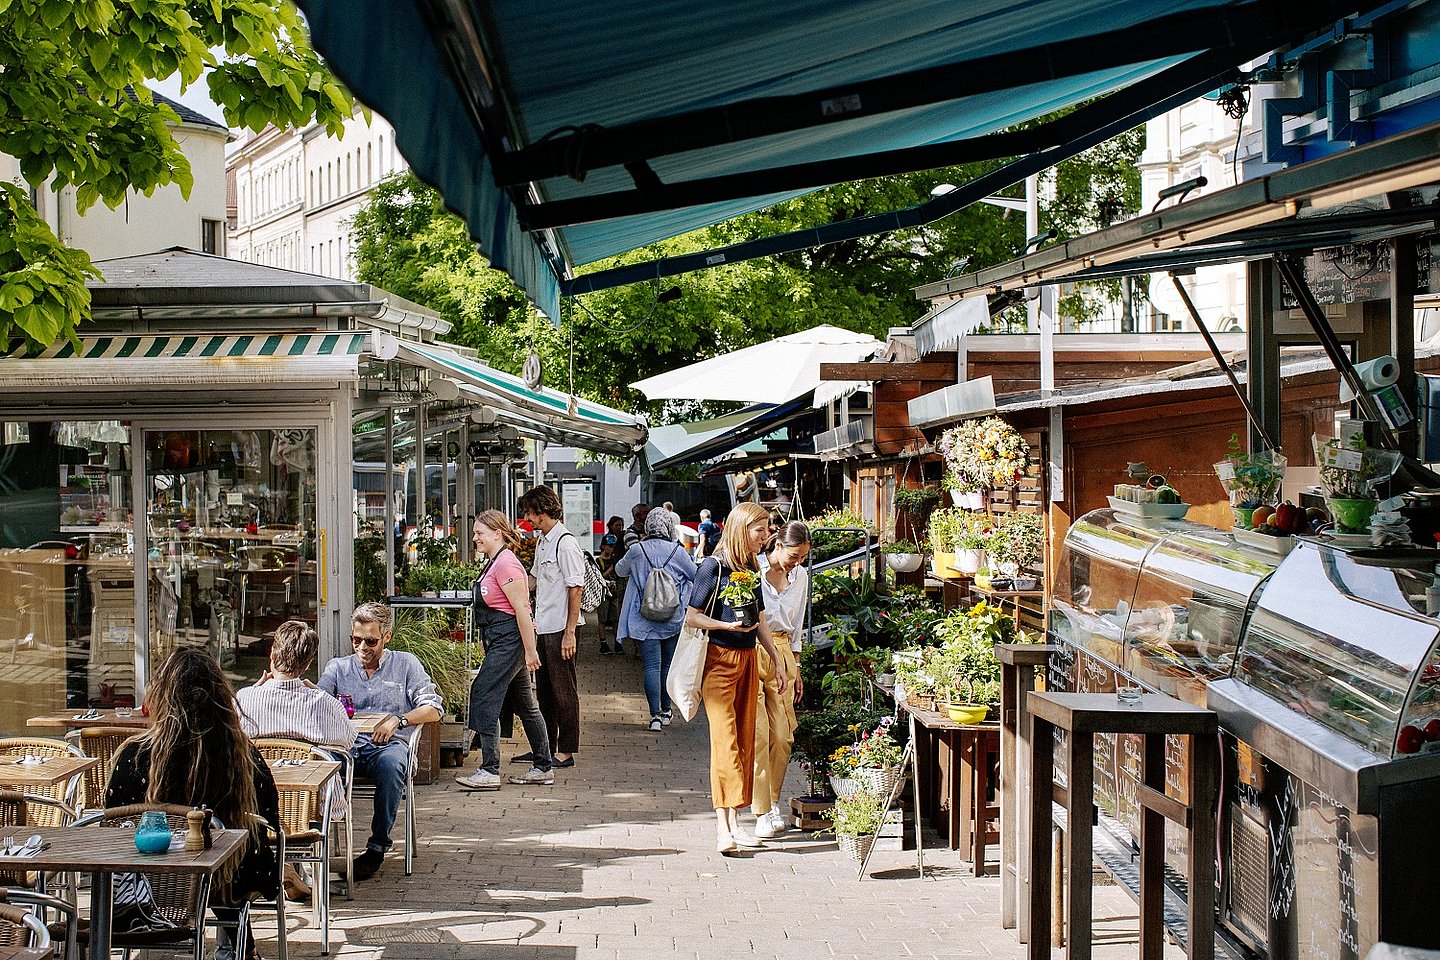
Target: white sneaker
[[534, 775], [744, 838], [765, 827], [656, 722], [480, 780], [724, 842], [778, 822], [666, 718]]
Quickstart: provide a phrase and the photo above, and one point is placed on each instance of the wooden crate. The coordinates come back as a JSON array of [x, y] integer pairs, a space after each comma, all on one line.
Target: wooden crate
[[811, 813]]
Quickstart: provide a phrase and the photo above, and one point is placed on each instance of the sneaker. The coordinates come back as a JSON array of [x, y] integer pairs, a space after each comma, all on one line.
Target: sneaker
[[535, 775], [724, 842], [605, 650], [368, 863], [656, 722], [480, 780], [666, 717], [744, 838], [766, 828], [779, 822]]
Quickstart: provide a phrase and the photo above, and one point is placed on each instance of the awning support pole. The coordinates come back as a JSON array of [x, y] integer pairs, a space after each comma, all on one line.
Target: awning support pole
[[465, 495], [1220, 359], [389, 501], [1290, 272]]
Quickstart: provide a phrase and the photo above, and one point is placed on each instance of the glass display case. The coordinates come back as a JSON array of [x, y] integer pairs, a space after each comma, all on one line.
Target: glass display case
[[1343, 639]]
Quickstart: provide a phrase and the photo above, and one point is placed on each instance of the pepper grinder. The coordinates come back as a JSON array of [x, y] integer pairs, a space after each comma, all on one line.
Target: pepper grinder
[[194, 835], [205, 828]]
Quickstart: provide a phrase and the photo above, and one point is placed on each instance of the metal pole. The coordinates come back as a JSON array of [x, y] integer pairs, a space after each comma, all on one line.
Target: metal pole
[[1220, 359], [389, 501], [446, 524], [1032, 228], [465, 494]]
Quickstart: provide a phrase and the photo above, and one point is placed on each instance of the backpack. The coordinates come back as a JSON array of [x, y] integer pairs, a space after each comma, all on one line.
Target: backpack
[[595, 588], [661, 599]]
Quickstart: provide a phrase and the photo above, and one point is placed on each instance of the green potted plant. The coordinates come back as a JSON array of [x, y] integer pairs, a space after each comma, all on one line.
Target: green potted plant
[[902, 556], [983, 578], [945, 526], [739, 594], [989, 453], [1351, 470], [971, 537], [857, 820], [1016, 544], [877, 759], [915, 502], [965, 491], [1250, 480]]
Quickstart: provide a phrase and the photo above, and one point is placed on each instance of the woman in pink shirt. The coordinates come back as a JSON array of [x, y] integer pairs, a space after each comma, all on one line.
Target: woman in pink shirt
[[502, 615]]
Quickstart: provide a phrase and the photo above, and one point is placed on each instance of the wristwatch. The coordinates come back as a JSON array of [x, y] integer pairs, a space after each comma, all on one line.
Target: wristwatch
[[403, 723]]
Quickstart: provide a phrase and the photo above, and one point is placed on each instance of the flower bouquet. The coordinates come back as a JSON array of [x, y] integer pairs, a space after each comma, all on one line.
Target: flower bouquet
[[739, 595], [1250, 479], [1351, 471], [989, 453]]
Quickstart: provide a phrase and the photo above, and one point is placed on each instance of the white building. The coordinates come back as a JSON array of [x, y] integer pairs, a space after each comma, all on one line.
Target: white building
[[1195, 140], [142, 224], [297, 193]]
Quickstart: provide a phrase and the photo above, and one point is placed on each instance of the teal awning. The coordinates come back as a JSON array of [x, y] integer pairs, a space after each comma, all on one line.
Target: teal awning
[[604, 126]]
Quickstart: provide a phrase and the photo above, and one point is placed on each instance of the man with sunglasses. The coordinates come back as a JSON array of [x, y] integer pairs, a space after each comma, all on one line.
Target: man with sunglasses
[[393, 683]]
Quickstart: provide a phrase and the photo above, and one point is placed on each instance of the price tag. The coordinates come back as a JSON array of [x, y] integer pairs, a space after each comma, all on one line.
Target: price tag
[[234, 499], [1225, 470], [1348, 460]]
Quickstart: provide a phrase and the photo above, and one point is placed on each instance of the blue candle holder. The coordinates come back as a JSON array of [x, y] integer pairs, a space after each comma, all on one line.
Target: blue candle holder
[[153, 834]]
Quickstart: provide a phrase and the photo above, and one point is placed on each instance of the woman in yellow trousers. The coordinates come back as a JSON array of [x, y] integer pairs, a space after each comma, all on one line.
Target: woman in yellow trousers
[[786, 585], [731, 684]]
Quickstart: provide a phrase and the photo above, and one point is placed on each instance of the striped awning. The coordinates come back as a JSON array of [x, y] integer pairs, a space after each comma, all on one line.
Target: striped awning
[[176, 346]]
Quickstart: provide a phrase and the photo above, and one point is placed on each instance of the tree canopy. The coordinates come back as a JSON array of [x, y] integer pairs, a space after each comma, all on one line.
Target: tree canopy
[[75, 111], [406, 242]]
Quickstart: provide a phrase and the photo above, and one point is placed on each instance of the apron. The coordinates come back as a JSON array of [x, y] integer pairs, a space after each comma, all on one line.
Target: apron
[[493, 625]]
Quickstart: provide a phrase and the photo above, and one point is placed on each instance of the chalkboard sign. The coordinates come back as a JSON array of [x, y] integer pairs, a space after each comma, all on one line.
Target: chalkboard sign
[[1336, 878], [1349, 274]]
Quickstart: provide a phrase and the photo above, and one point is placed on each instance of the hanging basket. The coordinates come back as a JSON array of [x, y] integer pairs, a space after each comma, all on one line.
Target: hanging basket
[[904, 562], [878, 780], [845, 786], [856, 848]]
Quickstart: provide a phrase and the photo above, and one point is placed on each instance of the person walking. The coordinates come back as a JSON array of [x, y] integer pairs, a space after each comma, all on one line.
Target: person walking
[[655, 635], [611, 551], [502, 614], [730, 687], [785, 584], [709, 532], [559, 577]]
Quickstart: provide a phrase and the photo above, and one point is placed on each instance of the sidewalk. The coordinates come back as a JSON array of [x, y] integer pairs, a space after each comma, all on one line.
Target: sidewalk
[[617, 861]]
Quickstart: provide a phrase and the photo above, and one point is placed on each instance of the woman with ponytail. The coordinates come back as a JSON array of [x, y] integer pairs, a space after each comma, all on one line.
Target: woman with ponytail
[[785, 584], [731, 684], [501, 611]]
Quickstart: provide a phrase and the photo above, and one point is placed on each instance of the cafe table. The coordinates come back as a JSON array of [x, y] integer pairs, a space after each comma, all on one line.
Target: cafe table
[[26, 953], [46, 773], [103, 852], [367, 722], [78, 718], [310, 776]]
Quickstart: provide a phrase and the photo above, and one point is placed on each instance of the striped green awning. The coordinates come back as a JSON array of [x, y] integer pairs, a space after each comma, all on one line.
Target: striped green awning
[[205, 346]]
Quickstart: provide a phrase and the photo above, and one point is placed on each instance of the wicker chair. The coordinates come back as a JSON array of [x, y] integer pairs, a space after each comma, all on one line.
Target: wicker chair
[[41, 906], [21, 928], [65, 793], [308, 821], [102, 743]]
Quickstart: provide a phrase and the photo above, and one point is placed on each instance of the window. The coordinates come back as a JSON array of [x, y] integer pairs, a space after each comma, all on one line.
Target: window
[[212, 237], [383, 171], [369, 162]]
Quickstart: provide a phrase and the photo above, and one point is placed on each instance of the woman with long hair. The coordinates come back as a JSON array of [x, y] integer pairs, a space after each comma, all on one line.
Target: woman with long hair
[[195, 754], [786, 587], [731, 684], [502, 614]]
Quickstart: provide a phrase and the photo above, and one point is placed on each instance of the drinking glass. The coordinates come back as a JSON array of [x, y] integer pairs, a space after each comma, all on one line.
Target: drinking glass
[[1128, 695]]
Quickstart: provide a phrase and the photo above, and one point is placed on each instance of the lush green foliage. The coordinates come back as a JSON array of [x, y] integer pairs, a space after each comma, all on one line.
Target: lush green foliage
[[1018, 538], [442, 657], [820, 733], [74, 106], [827, 542], [859, 815]]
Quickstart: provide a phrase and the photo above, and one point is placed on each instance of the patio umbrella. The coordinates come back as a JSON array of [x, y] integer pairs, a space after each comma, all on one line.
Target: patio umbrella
[[775, 372]]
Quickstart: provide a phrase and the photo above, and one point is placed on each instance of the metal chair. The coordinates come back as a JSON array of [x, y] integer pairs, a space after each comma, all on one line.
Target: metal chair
[[366, 788], [61, 813], [308, 821], [40, 904], [102, 743], [21, 928]]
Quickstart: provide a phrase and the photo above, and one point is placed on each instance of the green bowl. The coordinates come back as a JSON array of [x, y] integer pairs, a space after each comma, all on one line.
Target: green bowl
[[967, 714]]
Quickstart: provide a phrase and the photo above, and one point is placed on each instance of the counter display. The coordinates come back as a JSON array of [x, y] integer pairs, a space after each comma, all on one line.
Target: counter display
[[1323, 669]]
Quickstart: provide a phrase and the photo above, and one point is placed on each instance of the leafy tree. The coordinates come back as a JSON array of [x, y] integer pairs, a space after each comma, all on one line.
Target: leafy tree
[[74, 110]]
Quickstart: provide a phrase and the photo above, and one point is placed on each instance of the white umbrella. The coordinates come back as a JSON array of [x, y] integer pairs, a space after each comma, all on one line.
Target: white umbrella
[[774, 372]]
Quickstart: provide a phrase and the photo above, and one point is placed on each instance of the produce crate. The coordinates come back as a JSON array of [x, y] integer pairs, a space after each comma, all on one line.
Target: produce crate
[[811, 813]]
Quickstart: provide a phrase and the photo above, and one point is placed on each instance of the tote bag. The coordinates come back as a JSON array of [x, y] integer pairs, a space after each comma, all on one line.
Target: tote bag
[[687, 667]]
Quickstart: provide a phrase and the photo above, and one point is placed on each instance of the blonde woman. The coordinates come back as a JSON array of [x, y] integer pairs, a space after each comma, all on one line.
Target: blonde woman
[[731, 684], [786, 587]]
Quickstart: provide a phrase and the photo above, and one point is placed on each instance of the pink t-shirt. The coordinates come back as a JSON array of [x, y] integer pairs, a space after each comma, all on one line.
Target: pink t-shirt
[[507, 567]]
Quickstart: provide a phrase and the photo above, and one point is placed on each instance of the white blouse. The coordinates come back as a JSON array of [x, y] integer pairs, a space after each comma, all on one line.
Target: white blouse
[[785, 609]]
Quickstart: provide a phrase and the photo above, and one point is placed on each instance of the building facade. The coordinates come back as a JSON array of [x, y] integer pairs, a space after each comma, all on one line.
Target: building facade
[[297, 193], [142, 224]]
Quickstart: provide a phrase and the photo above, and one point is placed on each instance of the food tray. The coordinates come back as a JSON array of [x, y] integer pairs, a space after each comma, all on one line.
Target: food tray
[[1280, 546], [1161, 511]]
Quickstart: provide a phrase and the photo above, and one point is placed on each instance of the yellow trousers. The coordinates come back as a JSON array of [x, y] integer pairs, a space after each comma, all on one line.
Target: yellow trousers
[[774, 724], [729, 690]]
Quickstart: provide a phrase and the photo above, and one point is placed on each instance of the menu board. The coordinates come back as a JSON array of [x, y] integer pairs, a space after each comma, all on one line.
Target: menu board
[[1336, 877]]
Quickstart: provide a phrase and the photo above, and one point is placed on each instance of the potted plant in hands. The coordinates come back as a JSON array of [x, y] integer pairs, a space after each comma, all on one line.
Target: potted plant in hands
[[739, 595], [1251, 480], [857, 819], [903, 556]]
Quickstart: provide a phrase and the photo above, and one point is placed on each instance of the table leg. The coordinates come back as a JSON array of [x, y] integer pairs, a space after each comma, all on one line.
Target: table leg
[[1204, 804], [1152, 854], [1079, 835], [101, 893], [969, 744], [1042, 771], [1009, 693], [954, 822]]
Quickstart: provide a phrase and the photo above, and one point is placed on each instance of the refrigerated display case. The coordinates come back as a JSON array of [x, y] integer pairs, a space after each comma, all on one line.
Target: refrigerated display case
[[1325, 672]]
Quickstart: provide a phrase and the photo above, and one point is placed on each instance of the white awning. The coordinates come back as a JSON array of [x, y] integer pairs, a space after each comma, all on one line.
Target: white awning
[[831, 390], [943, 327]]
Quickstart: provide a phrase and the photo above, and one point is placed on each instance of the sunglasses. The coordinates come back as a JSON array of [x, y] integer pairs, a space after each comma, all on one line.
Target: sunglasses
[[367, 641]]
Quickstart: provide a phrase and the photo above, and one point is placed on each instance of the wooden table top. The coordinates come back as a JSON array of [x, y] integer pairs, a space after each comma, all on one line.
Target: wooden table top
[[112, 850], [27, 953], [52, 771], [309, 777], [934, 720], [77, 718], [1104, 713]]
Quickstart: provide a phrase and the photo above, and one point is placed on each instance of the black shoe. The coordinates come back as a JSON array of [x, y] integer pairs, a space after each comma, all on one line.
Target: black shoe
[[368, 863], [523, 758], [605, 650], [570, 762]]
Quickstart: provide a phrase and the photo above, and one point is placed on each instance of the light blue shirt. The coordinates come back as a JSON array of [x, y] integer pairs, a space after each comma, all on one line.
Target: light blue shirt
[[637, 563], [400, 684]]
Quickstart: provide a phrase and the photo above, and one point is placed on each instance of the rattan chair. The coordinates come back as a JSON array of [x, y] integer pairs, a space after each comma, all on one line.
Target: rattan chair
[[21, 928], [102, 743], [65, 793], [308, 821], [41, 905], [15, 808], [181, 899]]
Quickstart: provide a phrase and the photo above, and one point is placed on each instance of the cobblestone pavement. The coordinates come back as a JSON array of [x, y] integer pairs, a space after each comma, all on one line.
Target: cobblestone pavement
[[617, 861]]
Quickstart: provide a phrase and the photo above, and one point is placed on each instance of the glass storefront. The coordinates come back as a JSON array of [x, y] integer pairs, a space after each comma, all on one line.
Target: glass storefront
[[228, 530]]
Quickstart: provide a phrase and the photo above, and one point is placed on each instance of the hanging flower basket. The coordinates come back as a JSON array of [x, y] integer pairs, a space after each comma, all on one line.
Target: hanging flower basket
[[878, 780], [844, 786], [856, 848]]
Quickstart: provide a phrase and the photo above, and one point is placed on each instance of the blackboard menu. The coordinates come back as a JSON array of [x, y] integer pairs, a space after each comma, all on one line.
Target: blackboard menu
[[1336, 877]]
